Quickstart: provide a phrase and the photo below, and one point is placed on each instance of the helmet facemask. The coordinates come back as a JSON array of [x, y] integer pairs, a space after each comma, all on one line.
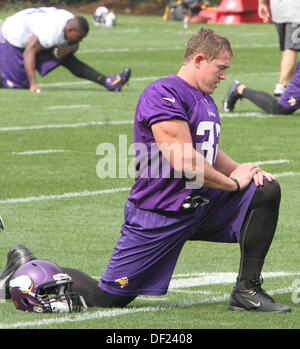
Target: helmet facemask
[[59, 299]]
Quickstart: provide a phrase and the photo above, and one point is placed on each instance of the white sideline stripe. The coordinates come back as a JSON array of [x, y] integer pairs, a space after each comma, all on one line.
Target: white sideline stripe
[[97, 192], [75, 106], [75, 125], [39, 152], [63, 196], [119, 312]]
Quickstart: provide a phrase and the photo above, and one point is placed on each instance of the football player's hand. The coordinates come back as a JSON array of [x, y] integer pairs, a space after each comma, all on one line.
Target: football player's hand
[[259, 177], [35, 88], [264, 13], [62, 51], [244, 173]]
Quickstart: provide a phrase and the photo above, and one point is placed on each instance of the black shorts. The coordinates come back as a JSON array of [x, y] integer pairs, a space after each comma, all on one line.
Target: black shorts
[[289, 36]]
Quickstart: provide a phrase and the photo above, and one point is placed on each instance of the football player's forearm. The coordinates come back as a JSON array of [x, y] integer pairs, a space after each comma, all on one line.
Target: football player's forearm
[[197, 169], [32, 49], [224, 163], [216, 180], [202, 174], [29, 64]]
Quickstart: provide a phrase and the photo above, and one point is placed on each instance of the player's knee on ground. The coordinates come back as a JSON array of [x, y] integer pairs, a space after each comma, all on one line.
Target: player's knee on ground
[[106, 300], [94, 296], [266, 102], [278, 109]]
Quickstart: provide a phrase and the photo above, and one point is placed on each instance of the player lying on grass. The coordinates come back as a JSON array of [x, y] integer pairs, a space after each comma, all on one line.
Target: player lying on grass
[[42, 39], [288, 102], [199, 193]]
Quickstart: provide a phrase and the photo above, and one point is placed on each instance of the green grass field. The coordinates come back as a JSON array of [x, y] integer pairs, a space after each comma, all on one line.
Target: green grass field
[[52, 200]]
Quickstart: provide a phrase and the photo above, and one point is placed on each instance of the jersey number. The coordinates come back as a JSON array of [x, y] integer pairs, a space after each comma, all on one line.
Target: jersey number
[[213, 130]]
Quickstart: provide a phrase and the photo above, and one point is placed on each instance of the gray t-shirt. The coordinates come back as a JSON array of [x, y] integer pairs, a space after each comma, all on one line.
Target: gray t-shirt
[[285, 11]]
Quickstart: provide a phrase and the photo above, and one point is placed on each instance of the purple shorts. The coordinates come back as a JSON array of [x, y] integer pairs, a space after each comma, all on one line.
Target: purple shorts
[[12, 65], [144, 258]]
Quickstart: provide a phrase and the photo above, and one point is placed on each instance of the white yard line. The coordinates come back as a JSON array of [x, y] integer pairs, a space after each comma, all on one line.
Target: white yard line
[[185, 291], [286, 174], [63, 196], [135, 49], [75, 106], [85, 82], [273, 162], [247, 114], [74, 125], [153, 298], [35, 152]]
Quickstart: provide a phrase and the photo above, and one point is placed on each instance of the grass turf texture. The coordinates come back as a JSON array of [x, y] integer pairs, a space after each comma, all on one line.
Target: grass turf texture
[[82, 231]]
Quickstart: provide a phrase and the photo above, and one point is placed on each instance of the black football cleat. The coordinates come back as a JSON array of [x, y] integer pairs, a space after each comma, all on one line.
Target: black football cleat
[[116, 82], [17, 256], [1, 223], [248, 295], [231, 97]]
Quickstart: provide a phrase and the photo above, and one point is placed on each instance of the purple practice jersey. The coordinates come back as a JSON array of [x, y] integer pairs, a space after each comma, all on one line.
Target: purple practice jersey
[[155, 227], [290, 99], [165, 99]]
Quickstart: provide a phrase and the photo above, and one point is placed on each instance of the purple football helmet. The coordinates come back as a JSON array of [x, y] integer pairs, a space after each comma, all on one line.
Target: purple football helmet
[[41, 286]]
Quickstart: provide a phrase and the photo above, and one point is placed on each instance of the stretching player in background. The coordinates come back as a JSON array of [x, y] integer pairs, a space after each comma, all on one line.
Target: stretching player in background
[[194, 191], [286, 104], [42, 39]]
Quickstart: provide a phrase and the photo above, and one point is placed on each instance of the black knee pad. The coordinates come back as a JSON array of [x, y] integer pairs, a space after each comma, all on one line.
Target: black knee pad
[[107, 300], [279, 109], [268, 194]]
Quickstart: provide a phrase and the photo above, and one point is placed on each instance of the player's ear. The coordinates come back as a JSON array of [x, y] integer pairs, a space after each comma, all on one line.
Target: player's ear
[[198, 59], [68, 29]]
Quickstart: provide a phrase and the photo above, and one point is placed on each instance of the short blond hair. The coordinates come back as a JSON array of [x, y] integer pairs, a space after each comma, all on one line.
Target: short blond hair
[[208, 42]]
